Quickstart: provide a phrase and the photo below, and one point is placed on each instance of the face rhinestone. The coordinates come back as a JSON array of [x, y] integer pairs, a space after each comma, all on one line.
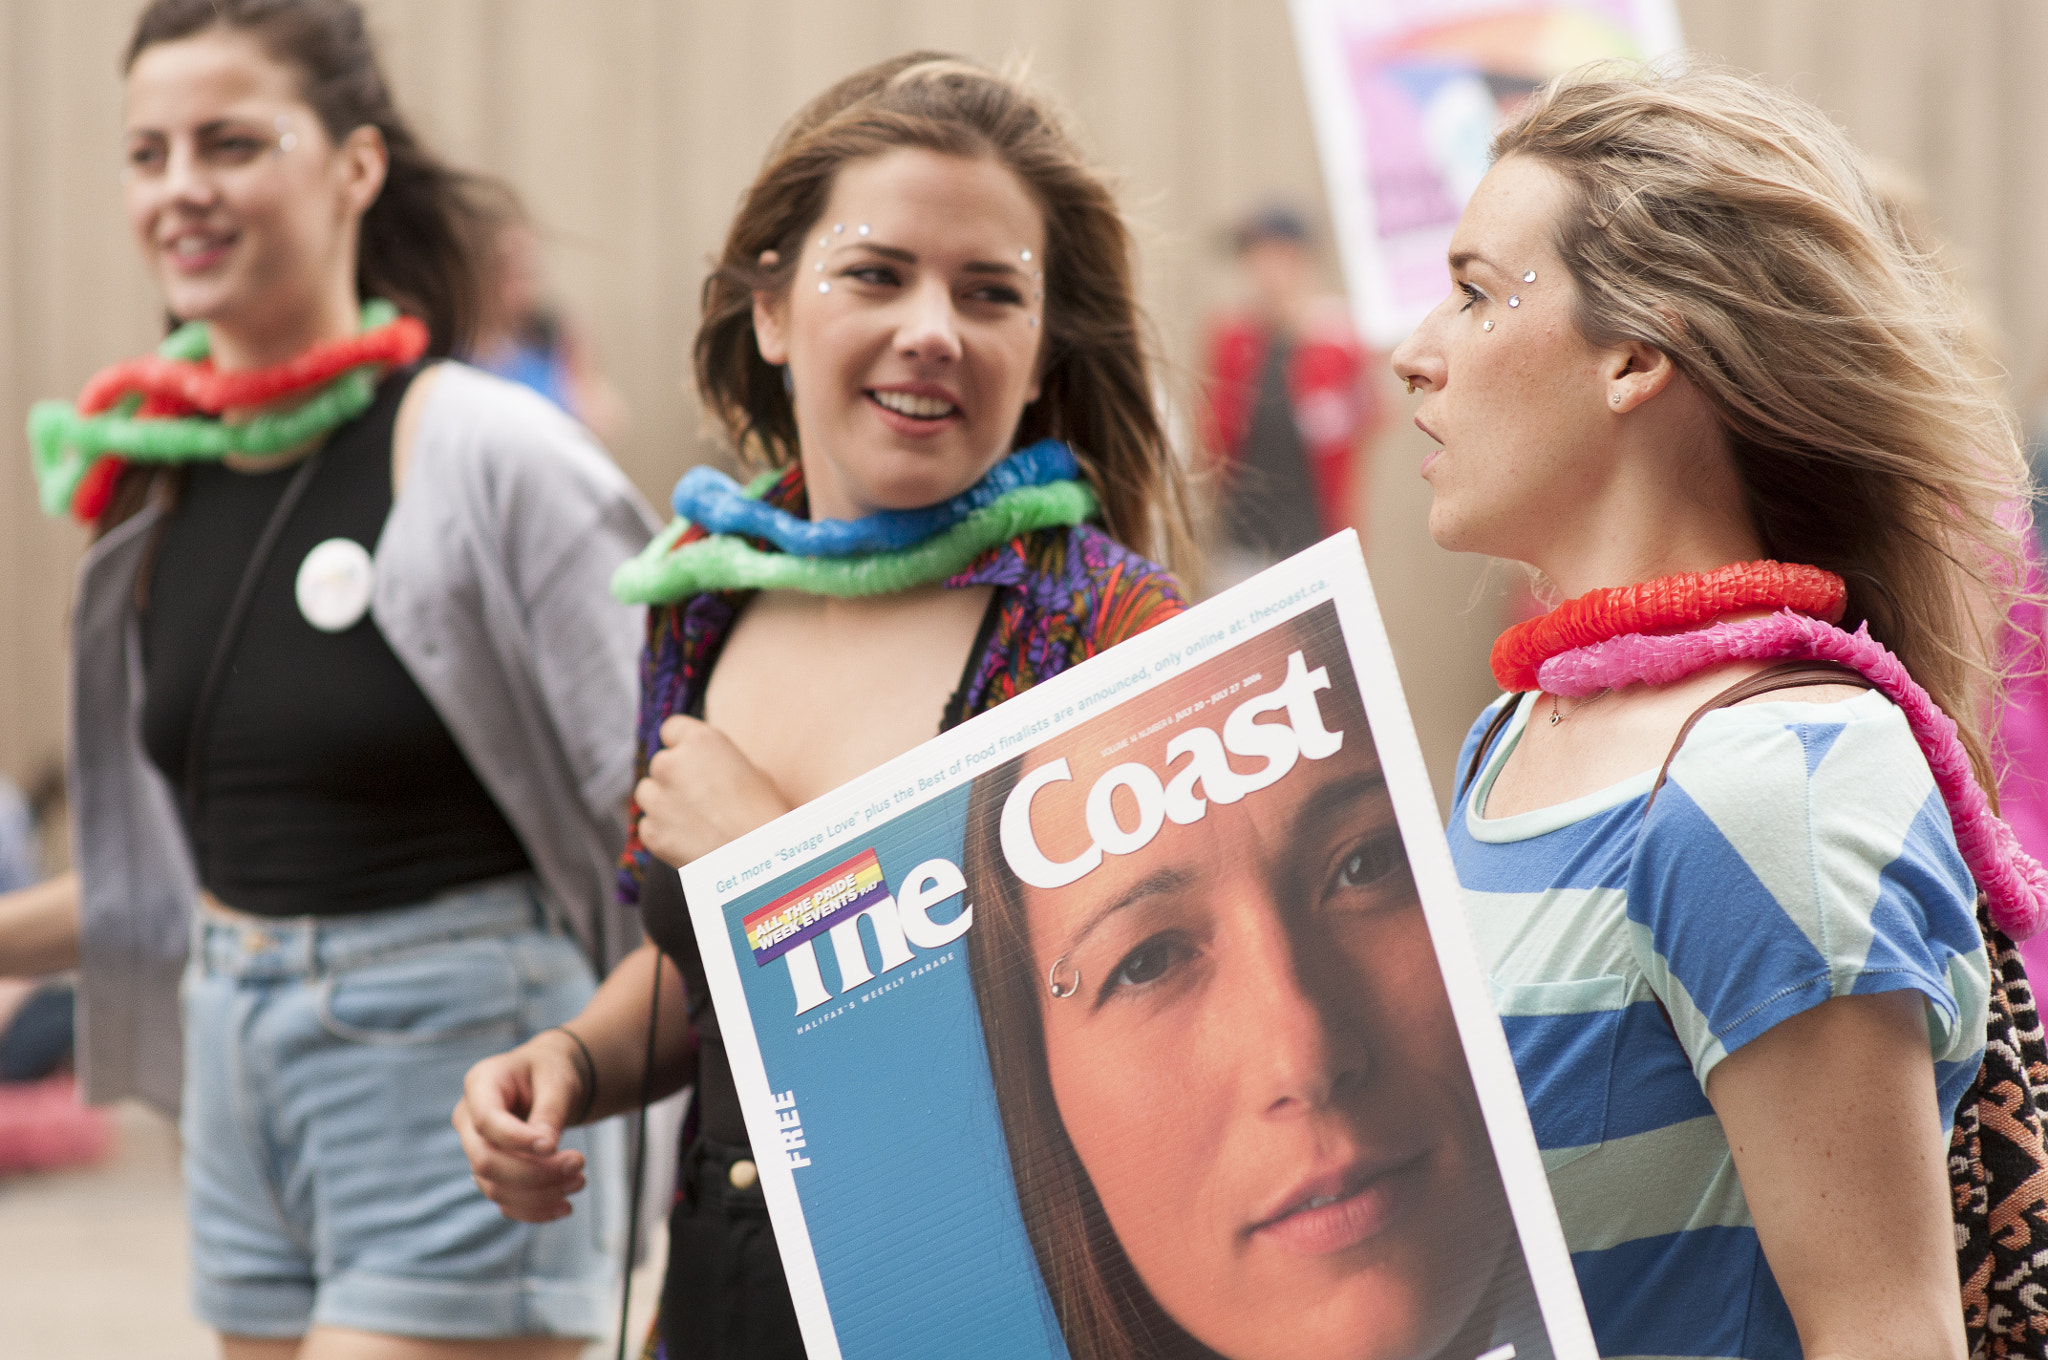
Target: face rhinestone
[[863, 228], [1034, 321], [1488, 326], [1025, 256], [824, 287], [838, 228], [288, 141], [824, 241], [1529, 277], [1515, 300], [819, 266]]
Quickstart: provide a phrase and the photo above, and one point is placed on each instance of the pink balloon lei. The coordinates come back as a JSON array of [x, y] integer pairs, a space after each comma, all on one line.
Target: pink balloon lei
[[2013, 881]]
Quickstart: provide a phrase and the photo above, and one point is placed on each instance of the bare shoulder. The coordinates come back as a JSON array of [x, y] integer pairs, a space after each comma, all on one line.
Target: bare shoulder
[[407, 429]]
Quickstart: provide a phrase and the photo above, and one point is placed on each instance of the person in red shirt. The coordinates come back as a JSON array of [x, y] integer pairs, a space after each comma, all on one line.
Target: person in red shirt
[[1288, 403]]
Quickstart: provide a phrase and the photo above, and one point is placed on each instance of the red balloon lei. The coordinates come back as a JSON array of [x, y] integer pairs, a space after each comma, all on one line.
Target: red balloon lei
[[178, 387], [1668, 602]]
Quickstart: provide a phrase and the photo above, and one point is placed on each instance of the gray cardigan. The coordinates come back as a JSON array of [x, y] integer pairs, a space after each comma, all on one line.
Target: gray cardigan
[[491, 587]]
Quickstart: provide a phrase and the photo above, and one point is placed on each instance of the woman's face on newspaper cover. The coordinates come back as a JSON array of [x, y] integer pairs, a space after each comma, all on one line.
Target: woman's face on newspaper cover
[[1259, 1069]]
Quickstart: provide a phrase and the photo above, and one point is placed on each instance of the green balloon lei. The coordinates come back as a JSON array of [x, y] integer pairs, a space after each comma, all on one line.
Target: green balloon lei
[[665, 574], [65, 444]]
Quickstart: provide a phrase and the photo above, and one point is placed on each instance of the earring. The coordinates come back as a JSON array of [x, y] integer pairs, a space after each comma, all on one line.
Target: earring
[[1052, 980]]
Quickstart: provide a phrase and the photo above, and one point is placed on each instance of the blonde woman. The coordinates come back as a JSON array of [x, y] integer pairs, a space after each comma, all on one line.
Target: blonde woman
[[1689, 369]]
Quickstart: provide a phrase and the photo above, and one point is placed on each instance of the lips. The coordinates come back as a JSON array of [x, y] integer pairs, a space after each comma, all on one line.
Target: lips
[[1433, 454], [195, 252], [1341, 1209], [914, 405]]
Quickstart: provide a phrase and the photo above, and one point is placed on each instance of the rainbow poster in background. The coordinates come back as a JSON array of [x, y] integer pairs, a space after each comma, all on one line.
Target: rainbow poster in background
[[837, 894], [1405, 96]]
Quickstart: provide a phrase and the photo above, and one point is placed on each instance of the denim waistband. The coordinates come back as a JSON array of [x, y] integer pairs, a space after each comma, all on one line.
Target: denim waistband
[[306, 946]]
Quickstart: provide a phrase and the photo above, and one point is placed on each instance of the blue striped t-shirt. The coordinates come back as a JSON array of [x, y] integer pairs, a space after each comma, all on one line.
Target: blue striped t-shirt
[[1797, 852]]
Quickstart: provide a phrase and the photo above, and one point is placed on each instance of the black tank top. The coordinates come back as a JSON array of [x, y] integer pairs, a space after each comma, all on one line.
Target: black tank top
[[328, 783]]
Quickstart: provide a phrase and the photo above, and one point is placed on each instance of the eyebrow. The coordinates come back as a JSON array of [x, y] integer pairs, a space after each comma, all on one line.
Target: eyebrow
[[204, 129], [1333, 801], [1463, 258], [1155, 884], [910, 257]]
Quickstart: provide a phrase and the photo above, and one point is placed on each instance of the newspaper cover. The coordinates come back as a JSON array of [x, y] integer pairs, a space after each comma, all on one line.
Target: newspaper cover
[[1405, 96], [1138, 1017]]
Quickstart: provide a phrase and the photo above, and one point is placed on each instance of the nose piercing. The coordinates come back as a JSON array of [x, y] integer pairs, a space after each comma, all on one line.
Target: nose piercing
[[1052, 980], [1411, 385]]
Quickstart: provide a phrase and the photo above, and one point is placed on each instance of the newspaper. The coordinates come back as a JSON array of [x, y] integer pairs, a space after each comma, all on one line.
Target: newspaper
[[1138, 1017]]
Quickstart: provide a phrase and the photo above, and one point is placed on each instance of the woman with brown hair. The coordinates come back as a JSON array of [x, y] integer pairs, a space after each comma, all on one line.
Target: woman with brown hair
[[349, 709], [922, 324], [1691, 371]]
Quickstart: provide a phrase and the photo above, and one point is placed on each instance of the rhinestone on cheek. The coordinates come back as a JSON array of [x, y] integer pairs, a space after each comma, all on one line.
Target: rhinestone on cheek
[[863, 228], [1529, 277], [1515, 300], [1487, 326], [824, 287]]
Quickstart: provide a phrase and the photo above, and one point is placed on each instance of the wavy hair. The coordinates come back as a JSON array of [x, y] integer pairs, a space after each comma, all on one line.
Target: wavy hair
[[1735, 228], [1095, 375]]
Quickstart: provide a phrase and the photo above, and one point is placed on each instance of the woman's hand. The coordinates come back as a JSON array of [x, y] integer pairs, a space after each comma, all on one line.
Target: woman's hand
[[511, 1116], [700, 792]]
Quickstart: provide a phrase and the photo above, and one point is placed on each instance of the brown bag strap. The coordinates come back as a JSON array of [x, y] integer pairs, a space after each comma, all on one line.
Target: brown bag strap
[[1501, 718], [1784, 675]]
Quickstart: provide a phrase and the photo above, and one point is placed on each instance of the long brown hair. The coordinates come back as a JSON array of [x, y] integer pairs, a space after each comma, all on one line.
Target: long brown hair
[[419, 243], [1736, 229], [1095, 381]]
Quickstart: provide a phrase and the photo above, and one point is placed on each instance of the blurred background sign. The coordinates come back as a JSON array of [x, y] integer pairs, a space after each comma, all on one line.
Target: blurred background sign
[[1405, 96]]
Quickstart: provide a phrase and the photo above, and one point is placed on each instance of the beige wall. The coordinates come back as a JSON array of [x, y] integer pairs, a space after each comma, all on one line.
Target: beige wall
[[633, 125]]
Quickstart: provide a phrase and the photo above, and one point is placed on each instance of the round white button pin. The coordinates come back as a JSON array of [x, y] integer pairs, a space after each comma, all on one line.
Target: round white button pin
[[334, 585]]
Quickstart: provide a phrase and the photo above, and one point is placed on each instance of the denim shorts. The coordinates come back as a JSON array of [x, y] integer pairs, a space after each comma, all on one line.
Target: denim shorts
[[324, 1183]]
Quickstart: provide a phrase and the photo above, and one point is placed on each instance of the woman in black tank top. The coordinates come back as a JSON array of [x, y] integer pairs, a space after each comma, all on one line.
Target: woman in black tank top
[[362, 707]]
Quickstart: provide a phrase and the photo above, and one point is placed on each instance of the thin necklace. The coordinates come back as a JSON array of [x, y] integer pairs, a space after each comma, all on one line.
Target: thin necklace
[[1557, 717]]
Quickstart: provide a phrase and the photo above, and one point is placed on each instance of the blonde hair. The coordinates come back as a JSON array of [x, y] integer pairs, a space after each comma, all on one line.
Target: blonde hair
[[1737, 230], [1095, 385]]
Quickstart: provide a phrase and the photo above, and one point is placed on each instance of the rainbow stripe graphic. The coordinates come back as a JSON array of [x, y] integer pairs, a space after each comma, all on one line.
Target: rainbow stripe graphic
[[791, 919]]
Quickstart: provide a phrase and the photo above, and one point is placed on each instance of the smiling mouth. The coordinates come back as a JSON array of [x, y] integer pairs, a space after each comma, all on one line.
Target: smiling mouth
[[913, 407], [189, 248]]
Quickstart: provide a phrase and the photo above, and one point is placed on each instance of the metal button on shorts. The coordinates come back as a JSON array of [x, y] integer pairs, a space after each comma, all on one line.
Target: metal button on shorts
[[743, 1174]]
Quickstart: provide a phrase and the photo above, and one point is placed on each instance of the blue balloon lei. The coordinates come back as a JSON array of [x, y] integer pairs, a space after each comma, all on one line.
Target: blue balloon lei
[[709, 498]]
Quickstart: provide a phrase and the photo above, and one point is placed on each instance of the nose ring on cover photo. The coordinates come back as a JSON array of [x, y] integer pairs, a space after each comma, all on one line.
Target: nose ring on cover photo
[[1052, 980]]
